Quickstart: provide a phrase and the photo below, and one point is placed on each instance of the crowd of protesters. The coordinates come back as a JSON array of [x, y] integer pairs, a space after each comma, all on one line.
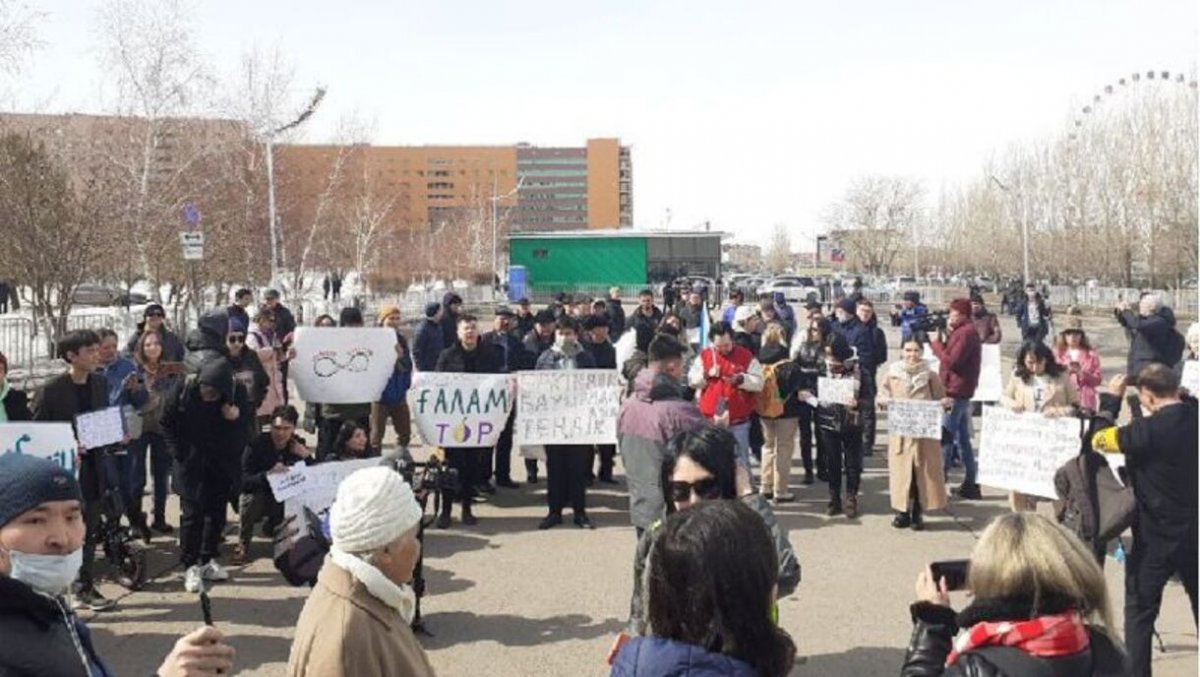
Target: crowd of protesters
[[712, 393]]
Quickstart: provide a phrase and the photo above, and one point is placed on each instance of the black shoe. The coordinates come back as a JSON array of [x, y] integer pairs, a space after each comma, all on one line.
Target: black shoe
[[485, 488], [550, 521], [468, 518], [822, 476], [591, 481], [506, 483], [918, 523], [808, 477], [138, 524], [533, 478], [608, 480], [969, 492], [160, 525], [88, 597], [583, 522], [768, 495], [834, 507], [443, 521], [902, 520]]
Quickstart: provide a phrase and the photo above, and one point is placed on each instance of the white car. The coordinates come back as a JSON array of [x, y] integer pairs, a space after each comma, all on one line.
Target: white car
[[796, 290]]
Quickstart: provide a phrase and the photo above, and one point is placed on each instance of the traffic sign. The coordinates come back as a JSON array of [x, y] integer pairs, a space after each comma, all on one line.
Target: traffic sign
[[193, 245], [191, 214]]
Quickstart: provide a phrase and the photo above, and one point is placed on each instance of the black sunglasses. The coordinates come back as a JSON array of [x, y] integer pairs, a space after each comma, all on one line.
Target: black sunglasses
[[707, 489], [236, 338], [155, 315]]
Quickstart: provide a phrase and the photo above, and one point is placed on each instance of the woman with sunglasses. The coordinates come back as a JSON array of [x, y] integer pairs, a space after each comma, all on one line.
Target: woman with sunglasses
[[263, 341], [154, 319], [700, 466], [809, 353], [247, 369]]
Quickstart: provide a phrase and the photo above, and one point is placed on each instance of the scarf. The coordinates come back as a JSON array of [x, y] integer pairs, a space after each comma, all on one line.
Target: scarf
[[915, 376], [1048, 636], [399, 597]]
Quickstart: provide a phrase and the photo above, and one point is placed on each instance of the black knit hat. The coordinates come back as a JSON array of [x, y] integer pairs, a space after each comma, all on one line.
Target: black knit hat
[[28, 481]]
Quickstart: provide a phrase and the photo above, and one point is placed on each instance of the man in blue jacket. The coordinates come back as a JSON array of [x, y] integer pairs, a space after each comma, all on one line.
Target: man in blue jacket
[[910, 309], [393, 402]]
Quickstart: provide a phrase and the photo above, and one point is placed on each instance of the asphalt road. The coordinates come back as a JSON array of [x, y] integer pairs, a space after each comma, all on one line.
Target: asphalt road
[[506, 599]]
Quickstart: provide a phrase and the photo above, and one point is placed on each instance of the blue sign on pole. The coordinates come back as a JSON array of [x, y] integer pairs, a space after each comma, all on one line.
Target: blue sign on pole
[[191, 214]]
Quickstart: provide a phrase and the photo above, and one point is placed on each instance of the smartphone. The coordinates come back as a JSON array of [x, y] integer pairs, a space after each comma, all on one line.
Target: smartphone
[[953, 570], [206, 608]]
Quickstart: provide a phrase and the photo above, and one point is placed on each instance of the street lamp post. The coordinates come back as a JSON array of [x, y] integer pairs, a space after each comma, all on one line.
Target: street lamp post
[[1024, 227], [271, 209], [496, 219]]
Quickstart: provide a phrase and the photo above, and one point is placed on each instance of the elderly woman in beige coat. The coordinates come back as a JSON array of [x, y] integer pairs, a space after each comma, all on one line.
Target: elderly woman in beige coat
[[356, 621], [1041, 385], [916, 479]]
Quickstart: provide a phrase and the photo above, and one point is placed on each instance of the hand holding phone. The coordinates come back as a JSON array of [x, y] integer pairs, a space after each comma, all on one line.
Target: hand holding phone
[[953, 572]]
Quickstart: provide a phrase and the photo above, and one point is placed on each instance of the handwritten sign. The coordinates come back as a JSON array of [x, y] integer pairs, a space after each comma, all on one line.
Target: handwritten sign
[[1191, 377], [320, 489], [837, 390], [461, 410], [289, 483], [343, 365], [567, 407], [920, 419], [1021, 452], [101, 428], [990, 377], [55, 441]]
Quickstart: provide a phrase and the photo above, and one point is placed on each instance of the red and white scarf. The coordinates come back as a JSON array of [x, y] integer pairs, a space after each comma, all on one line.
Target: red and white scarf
[[1045, 636]]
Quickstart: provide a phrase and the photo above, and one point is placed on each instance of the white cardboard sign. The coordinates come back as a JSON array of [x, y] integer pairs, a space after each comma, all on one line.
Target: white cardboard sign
[[55, 441], [920, 419], [100, 428], [1021, 452], [343, 365], [567, 407], [837, 390], [461, 410]]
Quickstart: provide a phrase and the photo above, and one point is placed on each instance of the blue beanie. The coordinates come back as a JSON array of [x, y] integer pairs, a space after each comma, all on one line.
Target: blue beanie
[[28, 481]]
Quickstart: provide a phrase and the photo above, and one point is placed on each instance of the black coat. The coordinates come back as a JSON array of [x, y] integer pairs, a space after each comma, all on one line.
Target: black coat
[[603, 354], [285, 323], [482, 360], [16, 405], [934, 628], [638, 317], [508, 349], [207, 341], [1151, 339], [534, 347], [427, 345], [248, 369], [56, 402], [207, 448], [40, 635], [616, 317], [260, 456]]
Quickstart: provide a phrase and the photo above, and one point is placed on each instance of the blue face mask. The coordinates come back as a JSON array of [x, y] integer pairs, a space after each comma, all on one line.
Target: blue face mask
[[51, 574]]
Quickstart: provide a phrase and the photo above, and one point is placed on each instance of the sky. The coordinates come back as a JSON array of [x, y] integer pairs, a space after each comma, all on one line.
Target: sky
[[743, 114]]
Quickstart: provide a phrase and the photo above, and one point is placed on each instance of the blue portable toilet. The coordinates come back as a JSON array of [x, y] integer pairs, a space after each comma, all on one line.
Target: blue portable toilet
[[518, 276]]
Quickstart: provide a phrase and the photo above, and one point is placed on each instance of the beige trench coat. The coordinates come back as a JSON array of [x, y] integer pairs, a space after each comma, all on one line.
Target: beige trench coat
[[909, 458]]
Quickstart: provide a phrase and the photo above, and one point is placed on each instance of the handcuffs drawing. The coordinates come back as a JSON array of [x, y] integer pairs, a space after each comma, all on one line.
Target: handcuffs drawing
[[326, 363]]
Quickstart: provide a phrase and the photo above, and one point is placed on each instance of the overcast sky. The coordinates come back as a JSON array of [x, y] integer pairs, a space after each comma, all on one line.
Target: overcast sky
[[747, 114]]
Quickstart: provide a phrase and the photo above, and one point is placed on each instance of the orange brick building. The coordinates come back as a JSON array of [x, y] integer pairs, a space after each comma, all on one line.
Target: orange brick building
[[426, 188]]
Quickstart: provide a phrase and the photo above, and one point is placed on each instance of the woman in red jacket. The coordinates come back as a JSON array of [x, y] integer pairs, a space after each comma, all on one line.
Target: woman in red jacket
[[1073, 351]]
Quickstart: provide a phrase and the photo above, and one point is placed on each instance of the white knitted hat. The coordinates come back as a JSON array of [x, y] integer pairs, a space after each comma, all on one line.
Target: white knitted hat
[[374, 506]]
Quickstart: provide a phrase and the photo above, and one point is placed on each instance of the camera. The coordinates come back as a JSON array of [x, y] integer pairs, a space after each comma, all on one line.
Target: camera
[[930, 322], [429, 478]]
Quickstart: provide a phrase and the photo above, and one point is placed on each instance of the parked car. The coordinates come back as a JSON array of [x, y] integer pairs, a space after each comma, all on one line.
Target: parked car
[[795, 289], [89, 294], [902, 283]]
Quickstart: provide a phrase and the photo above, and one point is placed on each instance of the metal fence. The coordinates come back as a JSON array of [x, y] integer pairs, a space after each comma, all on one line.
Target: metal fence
[[1183, 301]]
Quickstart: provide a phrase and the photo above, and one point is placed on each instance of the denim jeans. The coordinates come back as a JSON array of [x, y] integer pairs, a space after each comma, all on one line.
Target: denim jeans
[[956, 429], [741, 434], [160, 467]]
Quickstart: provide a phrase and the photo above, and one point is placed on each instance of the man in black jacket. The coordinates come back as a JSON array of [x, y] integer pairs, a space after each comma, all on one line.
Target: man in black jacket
[[270, 453], [207, 341], [872, 353], [1152, 334], [205, 425], [535, 343], [647, 313], [285, 326], [512, 358], [1161, 459], [616, 313], [522, 324], [471, 356], [604, 355], [452, 305], [80, 390]]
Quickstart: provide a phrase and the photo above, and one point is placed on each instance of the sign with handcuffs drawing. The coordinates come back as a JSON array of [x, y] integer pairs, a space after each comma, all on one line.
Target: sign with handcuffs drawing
[[343, 365]]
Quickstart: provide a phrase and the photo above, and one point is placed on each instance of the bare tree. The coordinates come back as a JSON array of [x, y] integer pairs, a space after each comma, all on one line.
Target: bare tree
[[18, 34], [876, 218], [779, 250]]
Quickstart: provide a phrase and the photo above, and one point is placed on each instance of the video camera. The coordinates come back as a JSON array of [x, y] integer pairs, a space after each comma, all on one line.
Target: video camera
[[433, 477], [923, 325]]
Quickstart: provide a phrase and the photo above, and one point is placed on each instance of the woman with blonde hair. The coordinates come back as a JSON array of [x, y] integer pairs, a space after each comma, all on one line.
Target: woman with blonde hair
[[779, 413], [916, 480], [1039, 606]]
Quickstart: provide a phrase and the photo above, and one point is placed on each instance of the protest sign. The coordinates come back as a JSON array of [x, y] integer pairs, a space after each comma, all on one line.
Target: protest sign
[[101, 428], [461, 410], [991, 379], [55, 441], [1191, 377], [931, 359], [343, 365], [921, 419], [1021, 452], [837, 390], [291, 482], [320, 489], [567, 407]]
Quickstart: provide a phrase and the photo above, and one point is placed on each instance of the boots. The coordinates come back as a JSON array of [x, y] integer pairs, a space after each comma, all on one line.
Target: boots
[[852, 506], [137, 523], [969, 492], [443, 520], [918, 524], [902, 520], [468, 518], [834, 507]]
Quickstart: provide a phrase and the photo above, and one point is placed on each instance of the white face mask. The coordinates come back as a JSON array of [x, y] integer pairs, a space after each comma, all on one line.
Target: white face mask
[[51, 574]]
